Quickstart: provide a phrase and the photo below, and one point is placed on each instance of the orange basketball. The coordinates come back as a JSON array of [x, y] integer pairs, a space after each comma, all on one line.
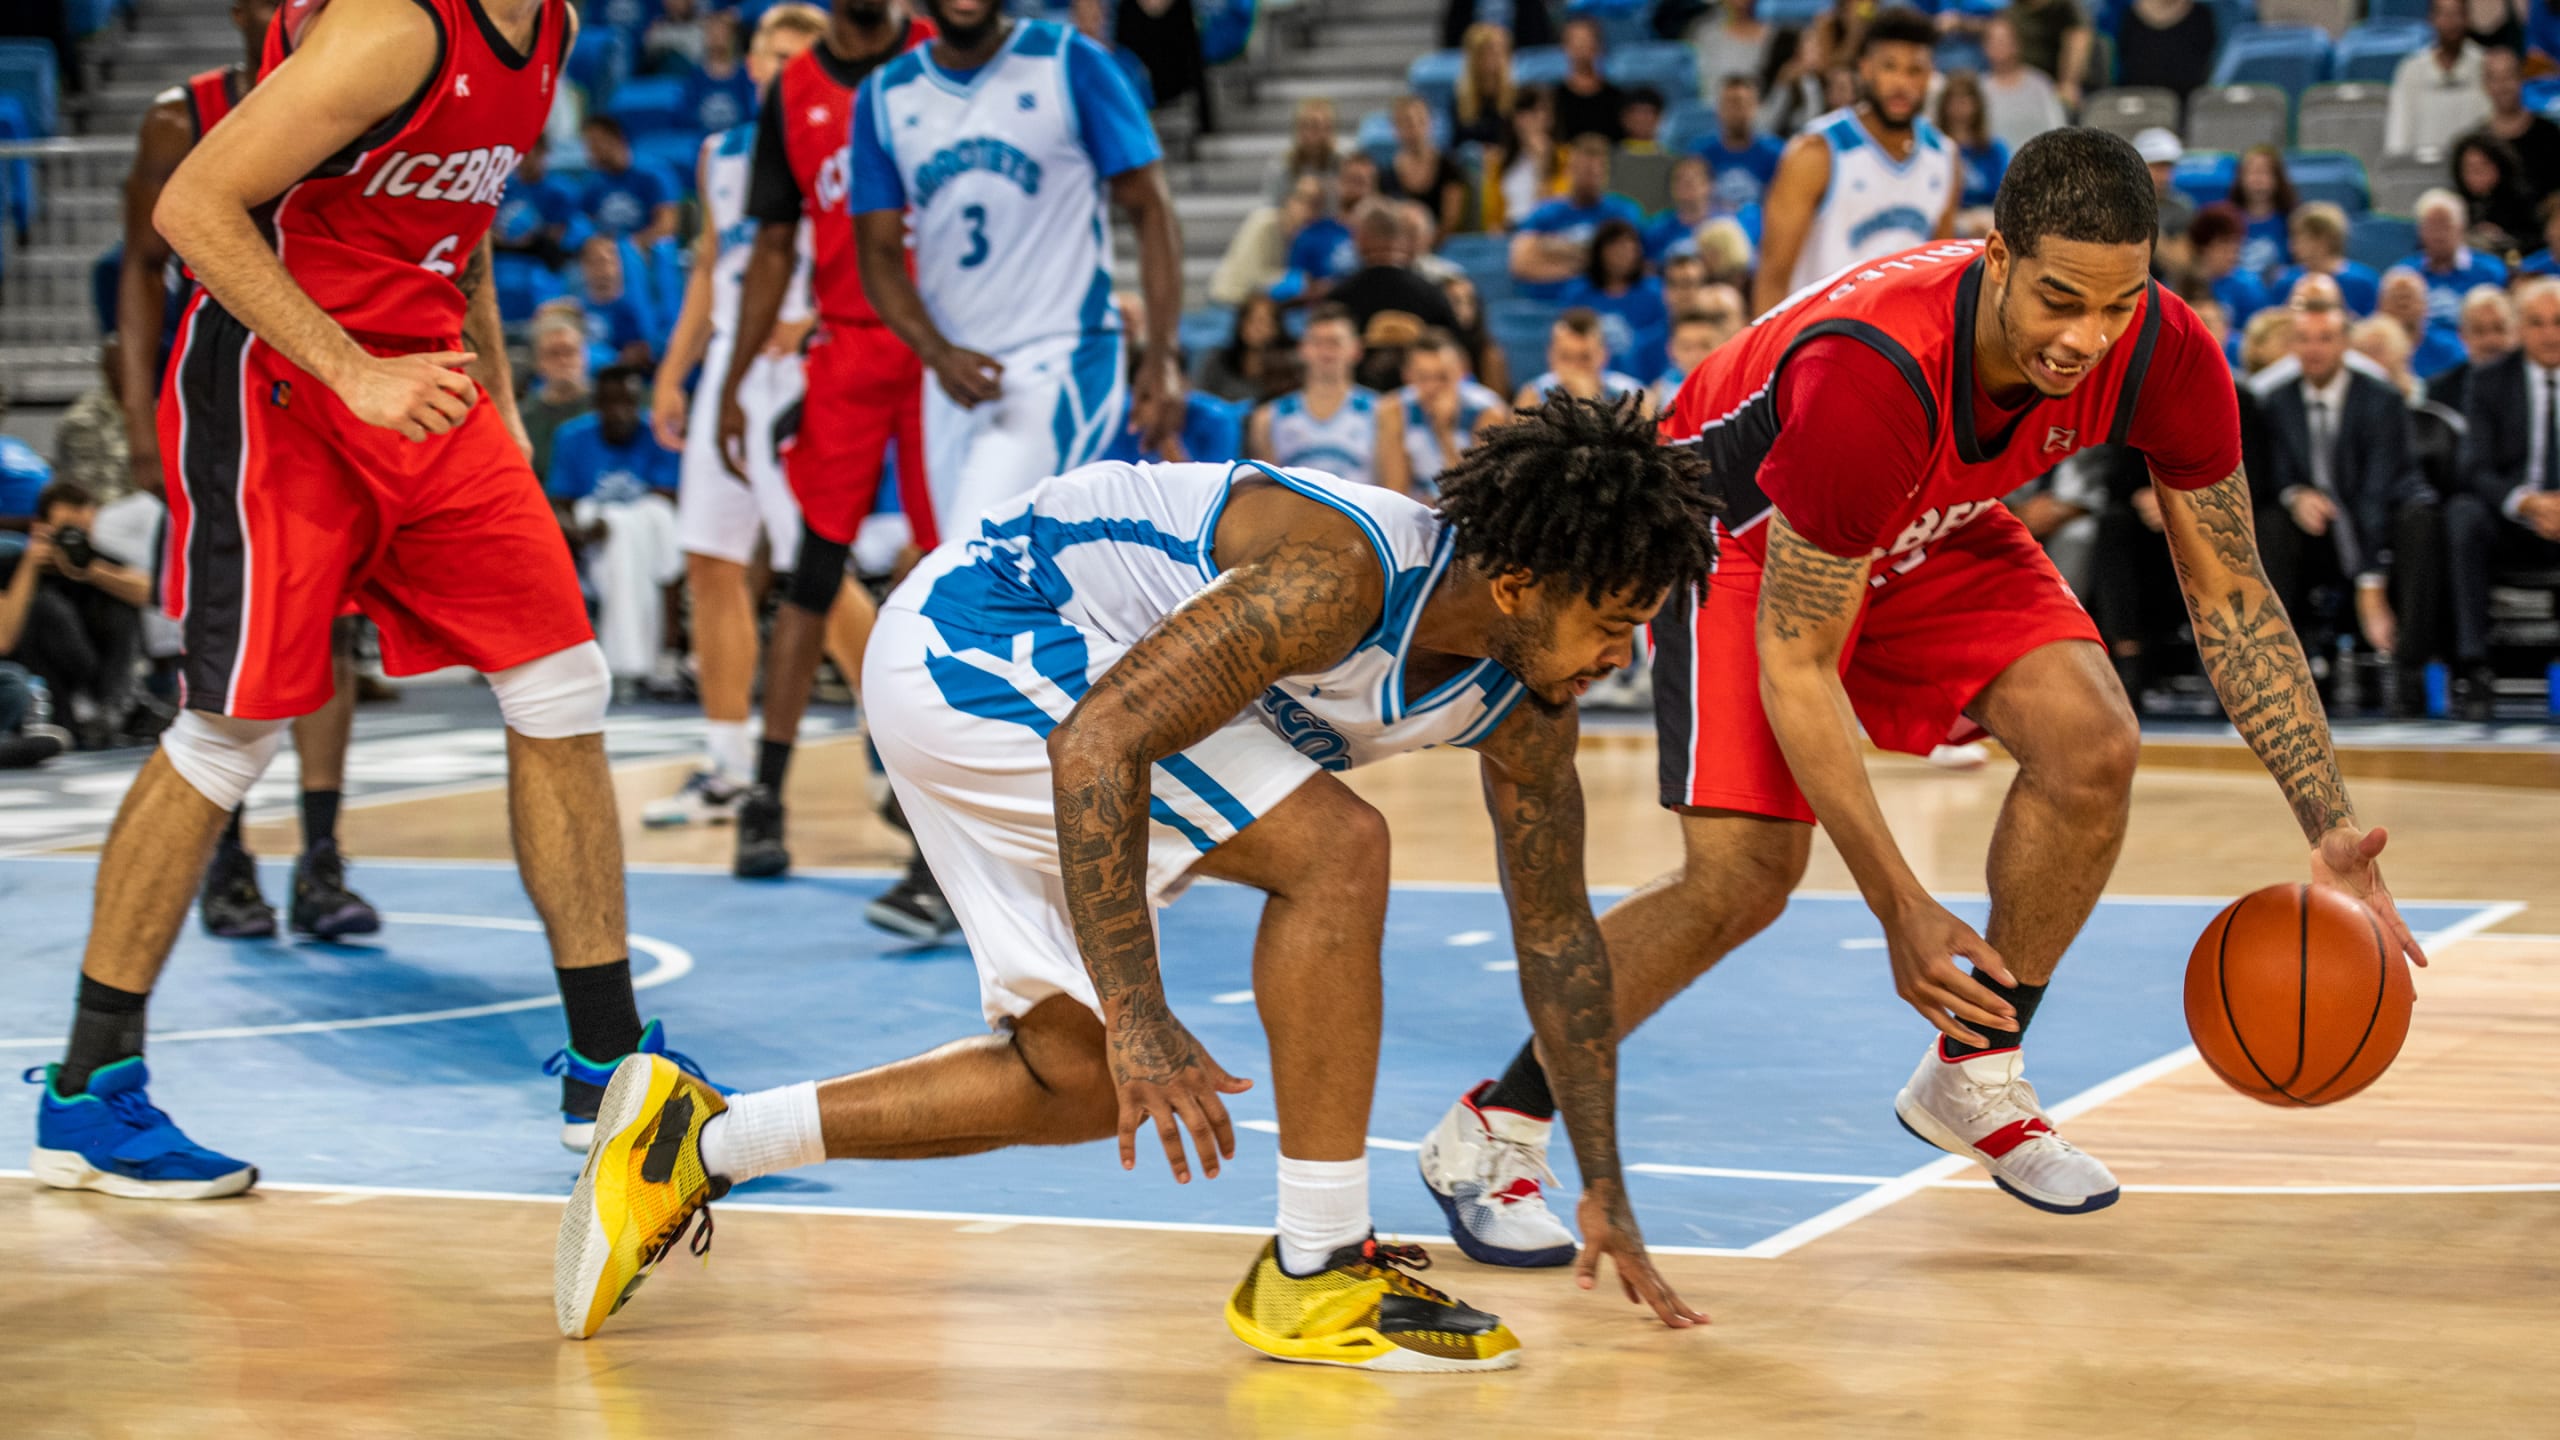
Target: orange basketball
[[2294, 998]]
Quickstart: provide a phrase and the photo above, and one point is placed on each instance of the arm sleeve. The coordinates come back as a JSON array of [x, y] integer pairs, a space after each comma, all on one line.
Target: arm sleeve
[[2187, 420], [876, 182], [773, 197], [1852, 447], [1109, 117]]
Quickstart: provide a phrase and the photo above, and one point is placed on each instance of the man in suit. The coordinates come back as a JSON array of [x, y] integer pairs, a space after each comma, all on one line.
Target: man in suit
[[2344, 509], [2508, 515], [2488, 336]]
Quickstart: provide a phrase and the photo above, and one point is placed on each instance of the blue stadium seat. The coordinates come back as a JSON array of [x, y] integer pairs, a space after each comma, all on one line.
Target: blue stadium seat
[[1791, 14], [28, 73], [1205, 329], [2372, 51], [18, 177], [1669, 68], [1622, 22], [2381, 241], [1485, 258], [649, 105], [1686, 124], [2414, 10], [1377, 136], [600, 61], [2204, 176], [2541, 95], [1434, 76], [1961, 52], [2331, 175], [1520, 327], [671, 153], [2293, 57], [1538, 65], [88, 17]]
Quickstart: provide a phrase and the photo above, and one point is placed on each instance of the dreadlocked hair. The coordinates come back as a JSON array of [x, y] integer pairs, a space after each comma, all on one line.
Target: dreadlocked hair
[[1583, 492]]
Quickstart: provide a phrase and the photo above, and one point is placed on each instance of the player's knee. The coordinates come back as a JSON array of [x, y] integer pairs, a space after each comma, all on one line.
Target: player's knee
[[1353, 844], [221, 757], [1747, 874], [558, 697], [818, 574], [2109, 751]]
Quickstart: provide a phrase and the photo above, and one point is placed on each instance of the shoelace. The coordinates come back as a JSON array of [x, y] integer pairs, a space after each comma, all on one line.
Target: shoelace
[[2018, 1096], [1505, 1155], [1399, 1262], [131, 1106]]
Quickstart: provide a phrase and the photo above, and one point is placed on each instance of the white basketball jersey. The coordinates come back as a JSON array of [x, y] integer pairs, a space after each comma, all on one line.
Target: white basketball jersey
[[1109, 550], [1007, 210], [1344, 443], [1874, 205], [1422, 448], [725, 165]]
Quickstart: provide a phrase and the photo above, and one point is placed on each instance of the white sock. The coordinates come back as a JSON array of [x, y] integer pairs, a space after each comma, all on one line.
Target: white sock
[[732, 753], [764, 1132], [1324, 1205]]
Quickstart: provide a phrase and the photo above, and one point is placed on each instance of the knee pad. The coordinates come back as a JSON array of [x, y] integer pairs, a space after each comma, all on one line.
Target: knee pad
[[220, 756], [559, 696], [819, 574]]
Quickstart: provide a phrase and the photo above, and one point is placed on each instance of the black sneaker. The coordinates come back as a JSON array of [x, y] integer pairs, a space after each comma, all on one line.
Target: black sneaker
[[323, 907], [761, 853], [914, 907], [233, 908]]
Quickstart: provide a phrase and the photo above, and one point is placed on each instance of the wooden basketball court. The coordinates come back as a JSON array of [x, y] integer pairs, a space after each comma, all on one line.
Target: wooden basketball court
[[2389, 1266]]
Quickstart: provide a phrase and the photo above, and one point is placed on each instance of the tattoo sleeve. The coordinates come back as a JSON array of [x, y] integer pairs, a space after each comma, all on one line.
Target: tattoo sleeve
[[1535, 795], [1300, 606], [2249, 648], [1806, 590]]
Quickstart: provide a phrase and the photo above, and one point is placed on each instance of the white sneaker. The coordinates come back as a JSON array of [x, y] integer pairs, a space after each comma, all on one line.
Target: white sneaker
[[1970, 756], [707, 798], [1484, 1167], [1978, 1107]]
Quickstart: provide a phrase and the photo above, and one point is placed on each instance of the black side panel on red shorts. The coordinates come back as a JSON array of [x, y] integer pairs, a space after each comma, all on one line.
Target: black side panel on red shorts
[[209, 466]]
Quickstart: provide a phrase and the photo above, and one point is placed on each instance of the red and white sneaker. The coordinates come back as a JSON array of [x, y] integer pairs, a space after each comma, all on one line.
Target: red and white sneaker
[[1485, 1167], [1977, 1106]]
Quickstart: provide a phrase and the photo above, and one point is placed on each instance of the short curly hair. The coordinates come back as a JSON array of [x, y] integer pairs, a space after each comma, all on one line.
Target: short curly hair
[[1583, 492]]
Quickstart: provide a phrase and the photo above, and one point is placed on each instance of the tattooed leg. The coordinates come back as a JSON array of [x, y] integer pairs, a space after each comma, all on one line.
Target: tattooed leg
[[1045, 1083]]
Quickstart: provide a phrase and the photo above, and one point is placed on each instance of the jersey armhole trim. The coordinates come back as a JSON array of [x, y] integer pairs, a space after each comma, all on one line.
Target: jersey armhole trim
[[2130, 393], [1874, 339], [1368, 528]]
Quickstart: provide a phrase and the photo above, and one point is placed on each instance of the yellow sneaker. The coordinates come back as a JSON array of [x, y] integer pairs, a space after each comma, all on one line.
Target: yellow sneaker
[[1364, 1310], [642, 1186]]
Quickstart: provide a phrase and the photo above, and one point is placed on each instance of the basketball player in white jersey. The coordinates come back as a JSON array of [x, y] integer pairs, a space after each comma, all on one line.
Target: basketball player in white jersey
[[1865, 181], [1004, 142], [1136, 675], [1330, 423], [718, 518]]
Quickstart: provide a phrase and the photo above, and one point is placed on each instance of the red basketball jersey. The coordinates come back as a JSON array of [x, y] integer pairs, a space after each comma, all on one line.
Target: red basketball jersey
[[1916, 309], [817, 124], [376, 235], [212, 93]]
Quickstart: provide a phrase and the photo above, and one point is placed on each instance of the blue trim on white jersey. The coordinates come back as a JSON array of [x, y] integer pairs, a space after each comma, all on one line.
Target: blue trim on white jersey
[[1498, 705]]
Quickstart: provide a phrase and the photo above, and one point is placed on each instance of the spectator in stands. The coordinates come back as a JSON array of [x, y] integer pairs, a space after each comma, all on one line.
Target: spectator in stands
[[1313, 149], [1165, 37], [1616, 287], [1743, 159], [1212, 430], [2449, 266], [1328, 423], [2055, 38], [1675, 230], [2508, 516], [1586, 103], [1256, 363], [2435, 450], [2437, 93], [90, 444], [2168, 44], [2488, 331], [1684, 275], [1528, 23], [1422, 242], [717, 91], [1258, 255], [2319, 235], [1553, 245], [1322, 252], [2264, 193], [1484, 355], [23, 472], [2216, 241], [1641, 120], [1795, 92], [2019, 101], [559, 391], [1386, 279], [1981, 157], [1520, 170], [621, 328], [529, 238], [2545, 261], [614, 488], [2161, 149], [1725, 247], [2489, 177], [1695, 335], [622, 198], [1731, 41], [677, 39], [2351, 516], [2534, 138], [1443, 410], [2266, 341], [1481, 104], [1578, 364], [71, 614], [1423, 172], [2408, 299]]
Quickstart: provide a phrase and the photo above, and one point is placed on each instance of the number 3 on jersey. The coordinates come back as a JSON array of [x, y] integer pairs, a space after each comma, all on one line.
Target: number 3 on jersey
[[976, 215]]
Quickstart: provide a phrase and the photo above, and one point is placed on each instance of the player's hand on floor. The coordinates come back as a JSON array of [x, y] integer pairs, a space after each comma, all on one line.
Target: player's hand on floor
[[1609, 1228], [417, 395], [1165, 1075], [1928, 945], [969, 378], [2345, 858]]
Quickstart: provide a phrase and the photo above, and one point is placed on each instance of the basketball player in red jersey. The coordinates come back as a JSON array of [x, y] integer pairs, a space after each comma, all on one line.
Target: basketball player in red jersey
[[1864, 433], [865, 389], [234, 909], [340, 426]]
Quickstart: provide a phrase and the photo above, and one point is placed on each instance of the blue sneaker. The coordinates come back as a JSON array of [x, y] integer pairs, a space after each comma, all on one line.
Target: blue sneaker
[[582, 1083], [115, 1141]]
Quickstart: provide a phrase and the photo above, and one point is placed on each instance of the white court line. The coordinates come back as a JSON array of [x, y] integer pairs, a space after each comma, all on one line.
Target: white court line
[[2532, 1188], [674, 963], [1798, 1177]]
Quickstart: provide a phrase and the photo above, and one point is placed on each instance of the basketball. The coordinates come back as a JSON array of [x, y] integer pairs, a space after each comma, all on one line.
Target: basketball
[[2294, 997]]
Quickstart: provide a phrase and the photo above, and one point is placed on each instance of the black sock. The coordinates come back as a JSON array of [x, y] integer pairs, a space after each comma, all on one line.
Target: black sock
[[231, 833], [106, 1029], [2021, 998], [604, 1018], [319, 817], [773, 763], [1523, 1087]]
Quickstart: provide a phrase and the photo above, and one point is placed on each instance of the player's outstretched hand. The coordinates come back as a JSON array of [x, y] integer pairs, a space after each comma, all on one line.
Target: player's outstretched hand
[[1926, 942], [969, 378], [1163, 1074], [733, 435], [417, 395], [2345, 858], [1609, 1228]]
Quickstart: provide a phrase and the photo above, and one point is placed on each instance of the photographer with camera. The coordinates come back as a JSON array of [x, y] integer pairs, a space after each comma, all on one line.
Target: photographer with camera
[[72, 615]]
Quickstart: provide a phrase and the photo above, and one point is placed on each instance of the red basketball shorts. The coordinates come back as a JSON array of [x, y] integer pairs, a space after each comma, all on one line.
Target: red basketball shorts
[[865, 389], [283, 508], [1933, 635]]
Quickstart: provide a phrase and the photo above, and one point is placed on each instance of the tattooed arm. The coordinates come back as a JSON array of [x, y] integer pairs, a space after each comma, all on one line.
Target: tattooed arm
[[1809, 604], [2255, 662], [1301, 589], [1535, 794]]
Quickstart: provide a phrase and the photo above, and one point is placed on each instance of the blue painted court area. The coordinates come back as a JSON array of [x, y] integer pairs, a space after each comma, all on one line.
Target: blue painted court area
[[1785, 1059]]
